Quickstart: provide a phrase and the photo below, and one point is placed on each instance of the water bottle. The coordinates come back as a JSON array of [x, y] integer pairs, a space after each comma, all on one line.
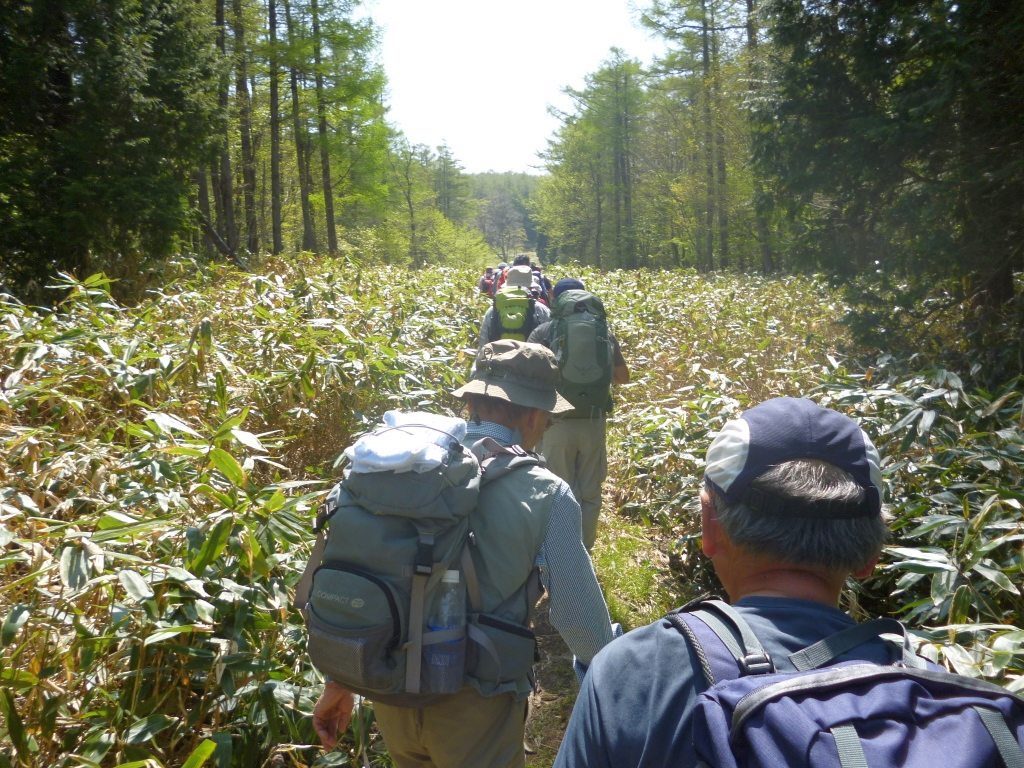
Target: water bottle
[[445, 662]]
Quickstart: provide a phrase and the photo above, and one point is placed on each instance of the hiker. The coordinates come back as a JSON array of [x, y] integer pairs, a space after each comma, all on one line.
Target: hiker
[[486, 281], [521, 260], [499, 275], [525, 522], [542, 285], [791, 506], [574, 448], [515, 311]]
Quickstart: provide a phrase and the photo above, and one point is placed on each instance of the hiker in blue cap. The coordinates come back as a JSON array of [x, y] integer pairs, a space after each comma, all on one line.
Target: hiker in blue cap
[[791, 506]]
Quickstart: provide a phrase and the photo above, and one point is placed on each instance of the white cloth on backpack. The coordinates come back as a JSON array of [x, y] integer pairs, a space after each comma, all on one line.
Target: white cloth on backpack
[[410, 442]]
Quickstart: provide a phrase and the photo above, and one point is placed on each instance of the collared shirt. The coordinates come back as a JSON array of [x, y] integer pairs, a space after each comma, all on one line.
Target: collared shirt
[[577, 609]]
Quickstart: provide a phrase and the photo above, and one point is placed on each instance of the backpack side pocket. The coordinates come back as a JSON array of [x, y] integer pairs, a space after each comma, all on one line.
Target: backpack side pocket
[[499, 651], [355, 630]]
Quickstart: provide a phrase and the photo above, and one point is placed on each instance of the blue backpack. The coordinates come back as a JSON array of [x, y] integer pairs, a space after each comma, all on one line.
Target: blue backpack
[[852, 714]]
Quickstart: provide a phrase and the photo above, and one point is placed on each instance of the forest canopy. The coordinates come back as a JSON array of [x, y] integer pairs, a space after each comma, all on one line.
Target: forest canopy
[[878, 142]]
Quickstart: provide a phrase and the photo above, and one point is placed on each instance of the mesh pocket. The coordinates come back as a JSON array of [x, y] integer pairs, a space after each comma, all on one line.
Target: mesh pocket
[[360, 658]]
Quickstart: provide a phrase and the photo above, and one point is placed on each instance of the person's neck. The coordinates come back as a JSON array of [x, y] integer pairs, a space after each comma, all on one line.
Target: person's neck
[[787, 582]]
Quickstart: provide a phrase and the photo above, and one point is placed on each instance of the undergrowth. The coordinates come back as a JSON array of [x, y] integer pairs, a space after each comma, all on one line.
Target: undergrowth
[[160, 466]]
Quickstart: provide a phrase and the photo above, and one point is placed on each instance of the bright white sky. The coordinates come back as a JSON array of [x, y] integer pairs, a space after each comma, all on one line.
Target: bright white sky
[[480, 74]]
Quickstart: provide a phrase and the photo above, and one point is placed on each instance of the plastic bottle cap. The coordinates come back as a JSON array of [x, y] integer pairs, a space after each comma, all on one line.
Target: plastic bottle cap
[[450, 577]]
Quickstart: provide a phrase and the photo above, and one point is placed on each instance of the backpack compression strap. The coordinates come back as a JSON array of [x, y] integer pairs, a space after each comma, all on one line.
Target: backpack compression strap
[[316, 556], [422, 569]]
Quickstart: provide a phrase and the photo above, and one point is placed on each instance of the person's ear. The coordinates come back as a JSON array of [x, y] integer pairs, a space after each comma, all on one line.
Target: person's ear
[[867, 570], [710, 531]]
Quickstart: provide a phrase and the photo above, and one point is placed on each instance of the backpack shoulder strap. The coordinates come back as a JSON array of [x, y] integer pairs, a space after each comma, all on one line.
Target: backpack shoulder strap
[[725, 645], [733, 632], [497, 460], [829, 649]]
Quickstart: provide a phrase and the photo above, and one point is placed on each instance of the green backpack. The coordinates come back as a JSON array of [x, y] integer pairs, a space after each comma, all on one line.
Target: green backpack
[[513, 315], [581, 345], [385, 540]]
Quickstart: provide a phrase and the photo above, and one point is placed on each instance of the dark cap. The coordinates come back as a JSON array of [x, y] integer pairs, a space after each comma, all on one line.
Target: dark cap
[[568, 284], [519, 372], [788, 428]]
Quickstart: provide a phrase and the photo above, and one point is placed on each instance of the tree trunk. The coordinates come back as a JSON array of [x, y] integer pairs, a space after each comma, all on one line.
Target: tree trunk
[[275, 132], [223, 191], [203, 204], [721, 186], [252, 243], [321, 113], [761, 221], [627, 176], [301, 140], [709, 145]]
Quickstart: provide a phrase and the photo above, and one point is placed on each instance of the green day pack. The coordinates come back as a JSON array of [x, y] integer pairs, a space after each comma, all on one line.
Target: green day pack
[[387, 534], [513, 313], [583, 349]]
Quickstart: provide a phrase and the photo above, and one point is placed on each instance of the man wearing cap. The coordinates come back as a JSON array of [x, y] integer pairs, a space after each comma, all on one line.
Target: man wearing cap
[[527, 524], [575, 447], [791, 506], [519, 276]]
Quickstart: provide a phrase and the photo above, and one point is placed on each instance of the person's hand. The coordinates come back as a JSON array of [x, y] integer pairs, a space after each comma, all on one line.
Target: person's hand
[[332, 713]]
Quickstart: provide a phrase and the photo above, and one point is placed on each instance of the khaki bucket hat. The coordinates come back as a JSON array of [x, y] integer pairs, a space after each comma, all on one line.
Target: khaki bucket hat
[[519, 372]]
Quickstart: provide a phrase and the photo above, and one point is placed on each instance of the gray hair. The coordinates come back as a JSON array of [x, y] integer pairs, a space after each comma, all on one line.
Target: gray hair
[[834, 545]]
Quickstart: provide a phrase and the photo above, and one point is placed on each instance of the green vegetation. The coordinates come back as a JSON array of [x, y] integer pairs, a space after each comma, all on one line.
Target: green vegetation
[[161, 466]]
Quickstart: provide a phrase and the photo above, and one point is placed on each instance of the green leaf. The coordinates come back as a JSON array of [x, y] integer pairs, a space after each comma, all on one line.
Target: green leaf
[[15, 620], [136, 586], [165, 422], [214, 545], [903, 422], [247, 439], [960, 608], [925, 424], [98, 745], [74, 567], [145, 729], [200, 754], [997, 577], [228, 467], [165, 633], [15, 725]]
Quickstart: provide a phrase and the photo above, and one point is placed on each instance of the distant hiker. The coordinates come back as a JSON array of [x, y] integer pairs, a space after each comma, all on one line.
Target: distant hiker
[[499, 276], [589, 361], [486, 282], [526, 534], [542, 285], [521, 260], [791, 506], [515, 311]]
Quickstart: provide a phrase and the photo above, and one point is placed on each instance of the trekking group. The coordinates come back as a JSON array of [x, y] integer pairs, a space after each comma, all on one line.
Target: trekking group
[[436, 547]]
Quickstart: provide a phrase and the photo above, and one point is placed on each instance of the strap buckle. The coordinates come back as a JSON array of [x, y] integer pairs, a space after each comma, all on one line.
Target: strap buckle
[[424, 564], [757, 664]]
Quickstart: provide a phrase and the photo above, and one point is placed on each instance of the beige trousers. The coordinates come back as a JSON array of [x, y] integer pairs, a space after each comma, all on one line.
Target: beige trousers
[[575, 450], [466, 730]]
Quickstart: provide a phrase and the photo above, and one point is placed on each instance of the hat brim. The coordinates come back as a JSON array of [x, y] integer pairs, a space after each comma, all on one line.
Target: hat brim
[[547, 400]]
